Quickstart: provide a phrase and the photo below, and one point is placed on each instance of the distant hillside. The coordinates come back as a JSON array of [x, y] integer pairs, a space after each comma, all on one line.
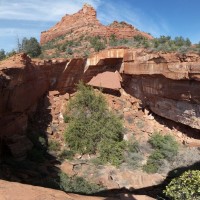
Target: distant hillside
[[85, 22], [81, 34]]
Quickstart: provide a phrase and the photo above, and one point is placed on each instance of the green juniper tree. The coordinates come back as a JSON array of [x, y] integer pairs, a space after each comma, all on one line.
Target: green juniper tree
[[2, 54], [92, 128], [31, 47]]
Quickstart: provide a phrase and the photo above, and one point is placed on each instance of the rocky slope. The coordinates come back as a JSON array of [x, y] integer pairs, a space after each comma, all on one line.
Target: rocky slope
[[85, 22]]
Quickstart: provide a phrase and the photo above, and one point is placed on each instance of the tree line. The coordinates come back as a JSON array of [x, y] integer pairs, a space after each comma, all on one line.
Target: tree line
[[163, 43], [30, 46]]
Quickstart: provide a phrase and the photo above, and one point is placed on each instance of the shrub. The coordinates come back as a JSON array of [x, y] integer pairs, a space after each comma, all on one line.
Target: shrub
[[93, 128], [113, 40], [42, 141], [86, 53], [166, 44], [180, 41], [2, 54], [69, 51], [185, 187], [31, 47], [183, 49], [165, 148], [37, 139], [66, 118], [97, 43], [187, 156], [139, 38], [133, 147], [134, 160], [77, 185], [166, 145], [112, 151], [11, 53], [153, 162], [66, 154], [53, 145], [140, 124]]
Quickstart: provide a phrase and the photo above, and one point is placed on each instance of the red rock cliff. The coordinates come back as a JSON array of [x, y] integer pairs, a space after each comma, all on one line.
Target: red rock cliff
[[85, 22], [168, 84]]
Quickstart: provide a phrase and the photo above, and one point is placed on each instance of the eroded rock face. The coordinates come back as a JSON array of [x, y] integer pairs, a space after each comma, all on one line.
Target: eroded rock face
[[170, 65], [85, 22], [175, 100], [168, 84], [22, 83], [21, 86]]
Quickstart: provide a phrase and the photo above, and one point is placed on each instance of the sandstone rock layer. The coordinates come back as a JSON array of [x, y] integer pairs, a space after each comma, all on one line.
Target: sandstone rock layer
[[167, 83]]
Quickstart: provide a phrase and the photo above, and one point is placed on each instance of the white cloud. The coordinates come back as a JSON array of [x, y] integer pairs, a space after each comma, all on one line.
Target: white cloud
[[33, 16], [48, 10], [52, 10]]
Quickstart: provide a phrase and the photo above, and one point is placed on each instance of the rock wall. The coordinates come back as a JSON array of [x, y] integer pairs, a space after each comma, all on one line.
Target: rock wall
[[85, 22], [170, 65], [22, 83], [21, 86], [168, 84], [174, 100]]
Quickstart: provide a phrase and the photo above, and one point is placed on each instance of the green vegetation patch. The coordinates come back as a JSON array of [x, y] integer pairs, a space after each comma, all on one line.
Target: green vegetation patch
[[30, 46], [78, 185], [53, 145], [185, 187], [2, 54], [165, 147], [92, 128], [97, 43]]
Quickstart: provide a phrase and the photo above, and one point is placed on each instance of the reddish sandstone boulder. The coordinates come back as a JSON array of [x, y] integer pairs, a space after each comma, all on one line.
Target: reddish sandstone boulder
[[109, 80]]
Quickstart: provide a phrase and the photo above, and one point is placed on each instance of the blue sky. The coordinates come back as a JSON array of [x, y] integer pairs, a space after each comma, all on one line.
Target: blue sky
[[27, 18]]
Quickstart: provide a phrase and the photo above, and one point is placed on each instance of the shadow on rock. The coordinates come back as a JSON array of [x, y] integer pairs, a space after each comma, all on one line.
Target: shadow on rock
[[155, 192], [39, 167]]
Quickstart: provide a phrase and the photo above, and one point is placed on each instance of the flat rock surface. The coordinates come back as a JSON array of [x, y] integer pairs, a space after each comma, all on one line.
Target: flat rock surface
[[17, 191]]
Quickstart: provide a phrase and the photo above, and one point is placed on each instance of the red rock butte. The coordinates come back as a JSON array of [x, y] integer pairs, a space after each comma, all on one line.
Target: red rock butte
[[85, 22]]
